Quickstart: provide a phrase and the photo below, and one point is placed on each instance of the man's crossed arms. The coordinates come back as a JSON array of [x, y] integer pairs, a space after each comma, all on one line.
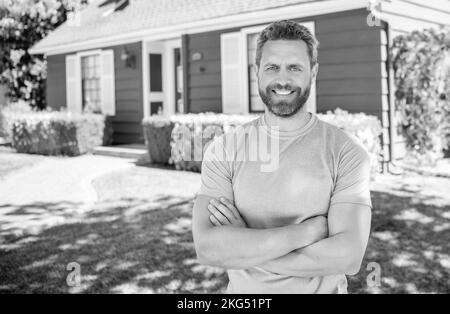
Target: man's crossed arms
[[318, 246]]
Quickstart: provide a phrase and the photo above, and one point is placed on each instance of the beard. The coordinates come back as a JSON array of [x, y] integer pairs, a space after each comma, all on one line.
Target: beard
[[285, 108]]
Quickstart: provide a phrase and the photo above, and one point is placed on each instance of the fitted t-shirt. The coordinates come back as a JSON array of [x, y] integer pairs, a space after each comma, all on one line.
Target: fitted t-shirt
[[310, 169]]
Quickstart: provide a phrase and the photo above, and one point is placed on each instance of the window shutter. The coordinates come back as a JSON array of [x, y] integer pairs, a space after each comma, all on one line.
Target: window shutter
[[232, 66], [108, 88], [73, 84]]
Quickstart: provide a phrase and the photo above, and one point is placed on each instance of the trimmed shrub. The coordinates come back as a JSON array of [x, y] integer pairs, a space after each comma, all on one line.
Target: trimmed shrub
[[157, 133], [188, 135], [365, 128], [57, 133], [163, 136], [193, 132]]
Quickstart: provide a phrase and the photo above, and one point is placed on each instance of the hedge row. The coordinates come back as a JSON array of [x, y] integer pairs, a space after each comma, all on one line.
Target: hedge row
[[167, 143], [59, 133]]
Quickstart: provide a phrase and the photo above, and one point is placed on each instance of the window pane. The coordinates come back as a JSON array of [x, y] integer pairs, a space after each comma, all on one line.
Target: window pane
[[90, 71], [155, 72], [154, 106]]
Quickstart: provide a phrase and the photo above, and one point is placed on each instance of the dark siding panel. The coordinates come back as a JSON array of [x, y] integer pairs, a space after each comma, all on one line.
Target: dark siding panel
[[340, 87], [129, 112], [205, 92], [349, 63], [56, 81], [349, 102], [209, 67], [350, 59], [205, 40], [186, 69], [208, 54], [350, 55], [130, 128], [344, 39], [357, 70], [207, 105], [350, 22], [202, 80], [203, 77], [352, 73]]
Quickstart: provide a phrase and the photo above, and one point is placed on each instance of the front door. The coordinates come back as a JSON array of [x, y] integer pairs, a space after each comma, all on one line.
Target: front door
[[156, 79]]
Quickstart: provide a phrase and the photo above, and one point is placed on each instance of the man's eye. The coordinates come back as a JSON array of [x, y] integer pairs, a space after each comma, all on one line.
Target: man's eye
[[272, 68], [296, 69]]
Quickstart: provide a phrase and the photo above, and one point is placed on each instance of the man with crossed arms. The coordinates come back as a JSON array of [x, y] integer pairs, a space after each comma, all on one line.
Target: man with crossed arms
[[302, 227]]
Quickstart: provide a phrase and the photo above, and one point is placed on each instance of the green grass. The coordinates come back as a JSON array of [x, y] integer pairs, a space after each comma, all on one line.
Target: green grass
[[138, 238]]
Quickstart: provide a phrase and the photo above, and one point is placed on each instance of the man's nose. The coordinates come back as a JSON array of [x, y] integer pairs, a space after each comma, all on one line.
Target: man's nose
[[283, 79]]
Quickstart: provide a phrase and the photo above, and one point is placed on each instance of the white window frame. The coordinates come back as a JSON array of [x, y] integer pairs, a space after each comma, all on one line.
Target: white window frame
[[256, 29], [79, 87], [89, 53]]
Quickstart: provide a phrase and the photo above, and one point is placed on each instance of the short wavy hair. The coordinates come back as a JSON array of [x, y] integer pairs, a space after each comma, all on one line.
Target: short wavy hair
[[289, 30]]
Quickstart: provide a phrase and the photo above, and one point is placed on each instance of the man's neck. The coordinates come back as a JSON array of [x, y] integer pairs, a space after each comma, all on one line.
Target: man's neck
[[297, 121]]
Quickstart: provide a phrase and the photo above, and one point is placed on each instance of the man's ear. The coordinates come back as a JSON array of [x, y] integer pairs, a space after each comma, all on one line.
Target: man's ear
[[256, 69]]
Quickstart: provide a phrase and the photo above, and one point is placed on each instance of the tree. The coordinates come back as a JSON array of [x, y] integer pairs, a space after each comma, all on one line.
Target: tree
[[22, 24], [421, 62]]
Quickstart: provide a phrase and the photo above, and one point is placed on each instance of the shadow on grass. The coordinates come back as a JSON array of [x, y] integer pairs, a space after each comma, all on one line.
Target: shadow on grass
[[132, 245], [121, 246], [410, 242]]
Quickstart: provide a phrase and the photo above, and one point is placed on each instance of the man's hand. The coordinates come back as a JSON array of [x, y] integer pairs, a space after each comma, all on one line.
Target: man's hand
[[223, 212]]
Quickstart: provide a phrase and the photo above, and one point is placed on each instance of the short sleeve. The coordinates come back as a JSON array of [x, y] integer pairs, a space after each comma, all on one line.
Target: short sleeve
[[353, 176], [216, 172]]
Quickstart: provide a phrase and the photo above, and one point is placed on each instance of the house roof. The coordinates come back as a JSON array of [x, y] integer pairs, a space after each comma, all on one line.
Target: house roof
[[95, 22], [99, 20]]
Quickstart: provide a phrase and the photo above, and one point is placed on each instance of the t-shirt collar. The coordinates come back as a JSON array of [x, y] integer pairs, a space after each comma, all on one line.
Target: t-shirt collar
[[288, 134]]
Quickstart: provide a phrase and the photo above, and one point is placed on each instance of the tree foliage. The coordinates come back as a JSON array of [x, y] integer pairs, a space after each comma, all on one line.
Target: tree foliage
[[22, 24], [421, 62]]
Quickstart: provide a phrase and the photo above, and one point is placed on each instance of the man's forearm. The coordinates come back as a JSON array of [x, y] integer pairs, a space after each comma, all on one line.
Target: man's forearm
[[241, 248], [338, 254]]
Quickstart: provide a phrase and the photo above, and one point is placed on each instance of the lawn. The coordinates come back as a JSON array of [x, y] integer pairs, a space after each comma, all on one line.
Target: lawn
[[137, 238], [11, 162]]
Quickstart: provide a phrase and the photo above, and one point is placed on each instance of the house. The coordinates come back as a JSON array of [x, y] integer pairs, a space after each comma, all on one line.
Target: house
[[133, 58]]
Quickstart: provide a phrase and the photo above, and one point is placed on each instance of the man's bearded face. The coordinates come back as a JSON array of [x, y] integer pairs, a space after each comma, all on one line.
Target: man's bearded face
[[285, 76], [284, 101]]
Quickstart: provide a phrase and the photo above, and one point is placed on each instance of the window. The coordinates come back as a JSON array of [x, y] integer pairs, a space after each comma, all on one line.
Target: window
[[156, 78], [90, 83]]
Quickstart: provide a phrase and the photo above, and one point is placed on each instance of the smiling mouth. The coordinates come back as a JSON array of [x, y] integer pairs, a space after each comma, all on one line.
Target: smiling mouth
[[282, 93]]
